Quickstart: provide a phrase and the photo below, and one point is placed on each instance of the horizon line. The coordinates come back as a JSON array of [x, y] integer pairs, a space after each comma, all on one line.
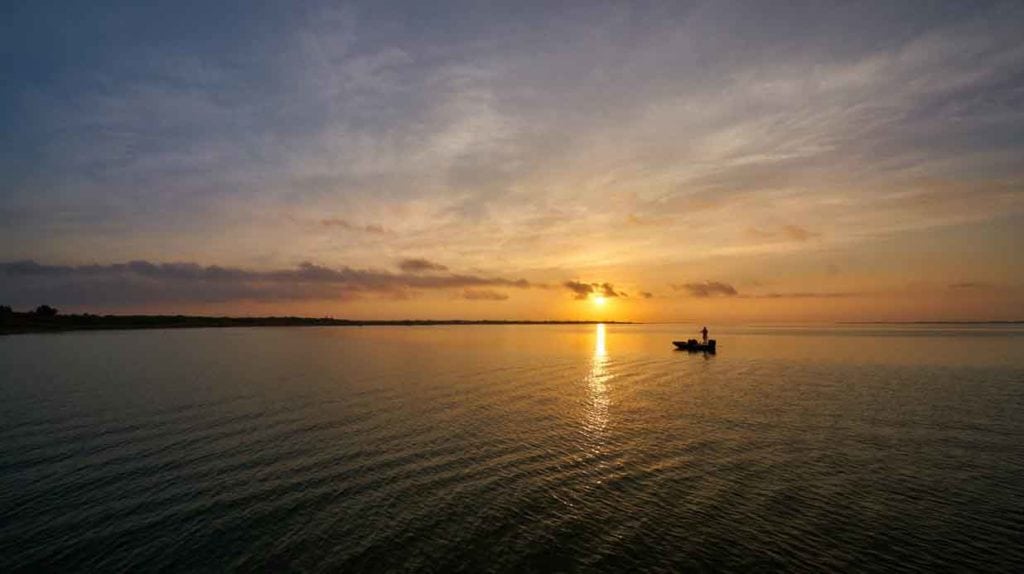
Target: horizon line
[[331, 318]]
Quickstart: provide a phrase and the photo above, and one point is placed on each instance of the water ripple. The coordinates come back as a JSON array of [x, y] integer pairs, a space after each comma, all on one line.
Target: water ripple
[[545, 459]]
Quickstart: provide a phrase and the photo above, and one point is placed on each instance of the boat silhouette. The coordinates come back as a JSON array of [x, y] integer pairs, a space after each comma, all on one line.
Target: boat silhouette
[[694, 346]]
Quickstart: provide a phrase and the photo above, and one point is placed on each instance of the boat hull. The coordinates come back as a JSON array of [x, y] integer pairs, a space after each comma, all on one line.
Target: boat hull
[[695, 347]]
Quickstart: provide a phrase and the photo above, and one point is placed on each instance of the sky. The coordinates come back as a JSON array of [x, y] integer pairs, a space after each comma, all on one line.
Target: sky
[[711, 162]]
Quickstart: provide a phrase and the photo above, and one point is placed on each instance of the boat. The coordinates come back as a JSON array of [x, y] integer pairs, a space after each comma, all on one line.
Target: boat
[[693, 346]]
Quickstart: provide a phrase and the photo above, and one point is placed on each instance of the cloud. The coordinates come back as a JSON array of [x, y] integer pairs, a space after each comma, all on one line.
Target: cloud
[[345, 224], [718, 288], [484, 295], [786, 233], [135, 282], [797, 233], [805, 114], [970, 285], [647, 220], [707, 289], [800, 295], [608, 290], [420, 265], [647, 294], [581, 290]]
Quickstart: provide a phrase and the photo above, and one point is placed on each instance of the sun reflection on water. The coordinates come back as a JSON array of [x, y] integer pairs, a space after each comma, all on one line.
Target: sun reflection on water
[[597, 382]]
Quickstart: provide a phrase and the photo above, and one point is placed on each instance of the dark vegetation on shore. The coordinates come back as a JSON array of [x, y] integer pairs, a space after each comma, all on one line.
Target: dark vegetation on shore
[[47, 319]]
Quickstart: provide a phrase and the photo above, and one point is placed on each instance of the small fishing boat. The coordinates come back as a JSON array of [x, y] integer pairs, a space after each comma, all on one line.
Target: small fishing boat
[[695, 346]]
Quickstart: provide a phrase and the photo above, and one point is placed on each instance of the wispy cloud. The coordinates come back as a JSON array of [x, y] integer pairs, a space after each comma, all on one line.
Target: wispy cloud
[[420, 265], [345, 224], [971, 285], [484, 295], [720, 289], [785, 232], [146, 282], [608, 290], [581, 290], [707, 289], [806, 127], [800, 295]]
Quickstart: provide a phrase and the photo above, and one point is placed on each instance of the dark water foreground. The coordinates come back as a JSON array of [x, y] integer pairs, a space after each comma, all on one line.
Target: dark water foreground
[[513, 448]]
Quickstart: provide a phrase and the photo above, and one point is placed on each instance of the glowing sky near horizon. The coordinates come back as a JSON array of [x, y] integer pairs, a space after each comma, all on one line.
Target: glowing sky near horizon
[[678, 161]]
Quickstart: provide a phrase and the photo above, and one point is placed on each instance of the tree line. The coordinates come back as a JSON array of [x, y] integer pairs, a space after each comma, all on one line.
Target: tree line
[[40, 311]]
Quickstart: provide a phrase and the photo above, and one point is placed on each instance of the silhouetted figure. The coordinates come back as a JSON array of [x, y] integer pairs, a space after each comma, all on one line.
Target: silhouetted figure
[[704, 334]]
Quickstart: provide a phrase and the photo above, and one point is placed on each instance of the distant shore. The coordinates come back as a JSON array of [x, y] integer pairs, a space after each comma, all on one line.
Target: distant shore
[[930, 322], [15, 323]]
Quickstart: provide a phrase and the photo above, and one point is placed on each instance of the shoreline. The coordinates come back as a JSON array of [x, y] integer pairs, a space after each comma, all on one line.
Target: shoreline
[[1016, 322]]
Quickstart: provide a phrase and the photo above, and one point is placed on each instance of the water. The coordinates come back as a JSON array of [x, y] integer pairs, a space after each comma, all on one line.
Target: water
[[513, 448]]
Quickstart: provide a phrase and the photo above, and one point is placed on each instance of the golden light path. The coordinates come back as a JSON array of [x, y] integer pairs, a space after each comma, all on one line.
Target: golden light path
[[597, 382]]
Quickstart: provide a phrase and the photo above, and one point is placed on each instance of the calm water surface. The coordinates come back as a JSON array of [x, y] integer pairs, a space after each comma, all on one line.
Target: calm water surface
[[513, 448]]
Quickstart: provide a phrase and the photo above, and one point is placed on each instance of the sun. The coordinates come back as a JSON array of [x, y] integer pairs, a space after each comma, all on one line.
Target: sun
[[600, 300]]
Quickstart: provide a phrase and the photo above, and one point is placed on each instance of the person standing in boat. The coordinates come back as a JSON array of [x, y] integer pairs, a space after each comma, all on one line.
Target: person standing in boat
[[704, 334]]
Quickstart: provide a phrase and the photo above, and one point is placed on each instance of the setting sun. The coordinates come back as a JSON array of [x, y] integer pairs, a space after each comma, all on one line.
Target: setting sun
[[423, 171], [496, 286]]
